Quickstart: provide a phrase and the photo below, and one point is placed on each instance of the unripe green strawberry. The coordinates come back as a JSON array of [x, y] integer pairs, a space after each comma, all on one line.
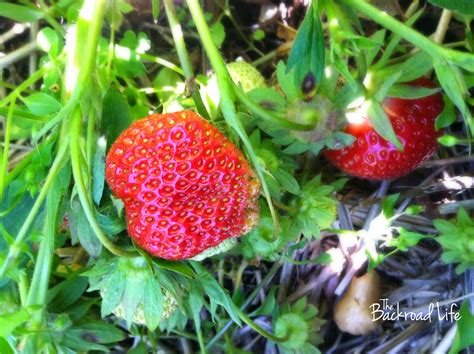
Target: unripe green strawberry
[[169, 307], [246, 75]]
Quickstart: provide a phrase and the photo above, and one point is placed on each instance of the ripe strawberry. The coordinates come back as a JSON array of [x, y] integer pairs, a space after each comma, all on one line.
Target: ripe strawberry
[[185, 186], [372, 157]]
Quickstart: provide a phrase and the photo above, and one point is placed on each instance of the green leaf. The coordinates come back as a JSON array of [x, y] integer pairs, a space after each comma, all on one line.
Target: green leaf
[[269, 304], [218, 34], [102, 332], [388, 205], [178, 267], [132, 296], [465, 7], [112, 293], [19, 13], [386, 83], [378, 38], [41, 104], [82, 231], [287, 181], [5, 347], [307, 53], [98, 170], [115, 114], [418, 65], [447, 117], [381, 123], [410, 92], [48, 41], [452, 81], [268, 98], [152, 303], [10, 321], [67, 292], [286, 81], [216, 293], [464, 334]]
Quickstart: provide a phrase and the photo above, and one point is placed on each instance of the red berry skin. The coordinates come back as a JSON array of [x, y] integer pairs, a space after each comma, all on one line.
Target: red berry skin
[[184, 185], [374, 158]]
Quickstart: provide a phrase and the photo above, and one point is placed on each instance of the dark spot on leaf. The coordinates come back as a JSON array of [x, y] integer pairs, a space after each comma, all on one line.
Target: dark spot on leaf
[[89, 337], [309, 84]]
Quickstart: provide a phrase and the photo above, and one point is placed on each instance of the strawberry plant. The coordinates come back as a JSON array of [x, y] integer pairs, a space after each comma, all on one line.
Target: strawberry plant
[[193, 178]]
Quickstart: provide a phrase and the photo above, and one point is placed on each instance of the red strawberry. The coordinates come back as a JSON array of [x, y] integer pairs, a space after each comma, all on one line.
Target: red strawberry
[[185, 186], [372, 157]]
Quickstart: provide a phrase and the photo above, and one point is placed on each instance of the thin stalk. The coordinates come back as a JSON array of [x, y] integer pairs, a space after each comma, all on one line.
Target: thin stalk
[[6, 147], [163, 62], [243, 316], [183, 55], [23, 286], [40, 282], [178, 38], [18, 54], [15, 248], [443, 26], [75, 133], [111, 52], [202, 345]]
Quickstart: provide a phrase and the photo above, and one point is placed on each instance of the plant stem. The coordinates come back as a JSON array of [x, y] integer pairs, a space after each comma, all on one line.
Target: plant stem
[[75, 132], [6, 148], [227, 103], [40, 282], [259, 329], [443, 26], [161, 61], [178, 38]]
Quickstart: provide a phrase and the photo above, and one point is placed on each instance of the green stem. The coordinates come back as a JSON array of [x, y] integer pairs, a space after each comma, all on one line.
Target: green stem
[[259, 329], [465, 60], [202, 345], [163, 62], [178, 38], [89, 25], [75, 133], [227, 104], [15, 248], [111, 52], [23, 286], [40, 282], [6, 148]]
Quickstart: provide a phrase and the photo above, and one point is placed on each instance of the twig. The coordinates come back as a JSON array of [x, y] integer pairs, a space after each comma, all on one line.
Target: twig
[[18, 54]]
